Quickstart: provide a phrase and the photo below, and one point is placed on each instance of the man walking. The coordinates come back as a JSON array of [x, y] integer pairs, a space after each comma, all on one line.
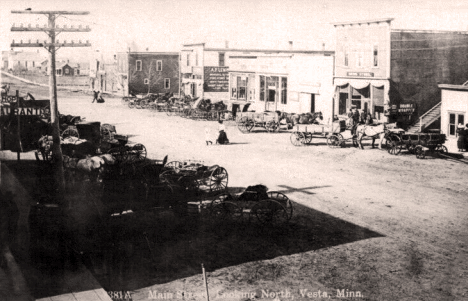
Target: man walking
[[96, 95]]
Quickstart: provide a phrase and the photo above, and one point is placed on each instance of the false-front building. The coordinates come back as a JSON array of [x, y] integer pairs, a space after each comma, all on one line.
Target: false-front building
[[394, 73]]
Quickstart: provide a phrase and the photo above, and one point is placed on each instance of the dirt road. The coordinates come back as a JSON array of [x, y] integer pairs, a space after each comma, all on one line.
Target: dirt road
[[417, 207]]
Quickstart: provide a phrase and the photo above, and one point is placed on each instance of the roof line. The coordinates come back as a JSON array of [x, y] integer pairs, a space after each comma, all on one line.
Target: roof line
[[270, 50], [387, 20], [429, 31]]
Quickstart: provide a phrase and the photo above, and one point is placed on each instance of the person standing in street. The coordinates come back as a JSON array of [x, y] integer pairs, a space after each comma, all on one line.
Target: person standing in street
[[96, 95], [461, 142]]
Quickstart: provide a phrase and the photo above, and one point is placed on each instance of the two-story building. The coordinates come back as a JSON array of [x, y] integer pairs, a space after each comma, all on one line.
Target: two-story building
[[394, 73], [275, 80], [148, 72]]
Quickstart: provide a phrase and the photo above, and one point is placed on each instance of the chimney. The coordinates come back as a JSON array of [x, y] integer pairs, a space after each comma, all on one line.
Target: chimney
[[226, 44], [323, 46], [147, 48], [290, 45]]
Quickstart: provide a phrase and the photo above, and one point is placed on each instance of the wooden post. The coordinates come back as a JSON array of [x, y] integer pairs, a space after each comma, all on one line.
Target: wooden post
[[206, 283], [18, 131]]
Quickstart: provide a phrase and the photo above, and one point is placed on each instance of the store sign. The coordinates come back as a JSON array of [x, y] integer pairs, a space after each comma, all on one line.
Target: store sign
[[216, 79], [361, 74], [26, 108]]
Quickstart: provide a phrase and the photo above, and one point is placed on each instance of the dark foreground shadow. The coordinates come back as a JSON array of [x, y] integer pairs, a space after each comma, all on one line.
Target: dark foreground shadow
[[152, 246]]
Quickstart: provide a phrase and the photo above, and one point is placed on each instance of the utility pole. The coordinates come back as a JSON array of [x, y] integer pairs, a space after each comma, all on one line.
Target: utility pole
[[52, 31]]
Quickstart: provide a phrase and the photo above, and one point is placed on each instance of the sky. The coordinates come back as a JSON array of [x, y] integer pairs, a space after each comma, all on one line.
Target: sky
[[165, 25]]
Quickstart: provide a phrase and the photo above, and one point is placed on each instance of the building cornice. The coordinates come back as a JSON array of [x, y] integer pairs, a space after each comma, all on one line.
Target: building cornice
[[384, 20]]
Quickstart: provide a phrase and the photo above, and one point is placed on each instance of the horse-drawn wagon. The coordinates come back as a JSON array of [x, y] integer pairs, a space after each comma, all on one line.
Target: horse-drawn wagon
[[303, 133], [418, 144], [246, 121]]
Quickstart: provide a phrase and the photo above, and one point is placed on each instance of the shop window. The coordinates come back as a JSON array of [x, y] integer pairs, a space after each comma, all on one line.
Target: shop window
[[375, 55], [454, 120], [138, 65], [239, 87], [196, 59], [221, 61], [284, 90], [262, 88], [158, 65], [167, 83], [59, 72]]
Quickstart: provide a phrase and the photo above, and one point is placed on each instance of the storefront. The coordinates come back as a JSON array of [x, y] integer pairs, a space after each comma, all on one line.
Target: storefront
[[371, 96]]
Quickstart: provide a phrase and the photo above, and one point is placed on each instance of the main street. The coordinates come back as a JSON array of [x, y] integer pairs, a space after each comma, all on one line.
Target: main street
[[418, 207], [420, 204]]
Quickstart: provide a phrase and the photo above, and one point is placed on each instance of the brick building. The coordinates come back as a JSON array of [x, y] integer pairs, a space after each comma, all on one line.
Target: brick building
[[148, 72]]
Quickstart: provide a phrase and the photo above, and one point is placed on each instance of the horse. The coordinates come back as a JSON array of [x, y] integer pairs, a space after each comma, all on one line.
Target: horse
[[370, 131]]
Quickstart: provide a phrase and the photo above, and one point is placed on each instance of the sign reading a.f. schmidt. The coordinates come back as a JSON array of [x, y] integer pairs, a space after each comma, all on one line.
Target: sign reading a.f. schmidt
[[216, 79]]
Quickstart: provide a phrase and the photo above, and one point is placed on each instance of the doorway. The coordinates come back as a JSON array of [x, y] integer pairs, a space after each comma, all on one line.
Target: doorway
[[271, 103], [312, 103], [193, 89]]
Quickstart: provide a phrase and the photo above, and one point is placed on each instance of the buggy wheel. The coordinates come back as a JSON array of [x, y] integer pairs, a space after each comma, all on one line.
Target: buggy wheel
[[394, 147], [224, 210], [106, 134], [272, 126], [218, 180], [167, 177], [131, 104], [420, 153], [270, 212], [441, 149], [70, 132], [138, 152], [297, 138], [245, 124], [284, 200], [333, 141], [119, 153], [174, 165], [143, 104]]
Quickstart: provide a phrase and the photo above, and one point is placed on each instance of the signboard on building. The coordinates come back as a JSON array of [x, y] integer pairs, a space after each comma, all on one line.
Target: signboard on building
[[361, 74], [216, 79]]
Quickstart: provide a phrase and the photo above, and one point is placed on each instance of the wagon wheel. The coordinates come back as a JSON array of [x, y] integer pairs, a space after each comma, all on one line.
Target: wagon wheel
[[334, 141], [308, 137], [394, 147], [245, 124], [420, 153], [270, 212], [272, 126], [393, 144], [223, 207], [284, 200], [106, 133], [297, 138], [70, 132], [218, 179], [167, 177], [131, 104], [119, 153], [174, 165], [138, 152], [143, 104], [441, 149]]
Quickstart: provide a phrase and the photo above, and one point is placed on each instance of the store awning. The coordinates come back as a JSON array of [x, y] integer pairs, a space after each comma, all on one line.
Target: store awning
[[362, 83]]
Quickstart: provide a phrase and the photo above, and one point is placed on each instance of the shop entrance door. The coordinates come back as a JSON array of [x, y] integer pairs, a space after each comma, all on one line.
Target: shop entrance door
[[271, 103], [193, 89], [342, 104], [312, 103]]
